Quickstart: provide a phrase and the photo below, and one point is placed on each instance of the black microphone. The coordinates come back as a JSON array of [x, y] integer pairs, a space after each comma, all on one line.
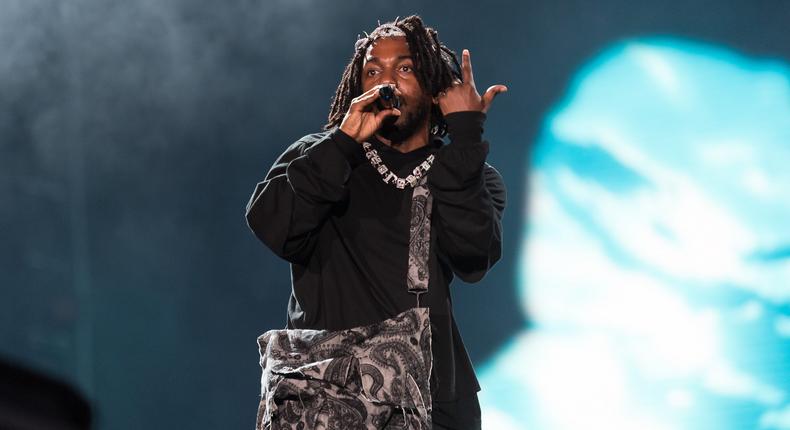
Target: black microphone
[[387, 99]]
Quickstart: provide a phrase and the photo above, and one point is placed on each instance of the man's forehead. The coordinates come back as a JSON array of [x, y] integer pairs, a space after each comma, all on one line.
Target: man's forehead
[[372, 59], [386, 47]]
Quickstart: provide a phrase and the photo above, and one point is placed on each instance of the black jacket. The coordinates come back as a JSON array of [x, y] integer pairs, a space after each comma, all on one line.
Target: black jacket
[[326, 210]]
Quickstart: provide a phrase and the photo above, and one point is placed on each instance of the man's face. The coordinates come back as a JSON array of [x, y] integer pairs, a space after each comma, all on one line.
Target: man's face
[[388, 60]]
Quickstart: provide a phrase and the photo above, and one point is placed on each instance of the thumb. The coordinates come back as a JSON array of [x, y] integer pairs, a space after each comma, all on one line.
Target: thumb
[[492, 92], [385, 113]]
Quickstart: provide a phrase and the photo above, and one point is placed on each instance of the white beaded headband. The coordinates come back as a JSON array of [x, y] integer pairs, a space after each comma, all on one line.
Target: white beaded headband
[[386, 30]]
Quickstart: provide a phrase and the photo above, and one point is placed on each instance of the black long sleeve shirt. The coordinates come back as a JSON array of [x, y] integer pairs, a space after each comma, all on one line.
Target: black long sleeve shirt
[[326, 210]]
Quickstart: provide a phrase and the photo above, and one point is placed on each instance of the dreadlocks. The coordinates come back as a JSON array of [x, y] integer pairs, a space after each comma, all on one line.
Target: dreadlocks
[[435, 65]]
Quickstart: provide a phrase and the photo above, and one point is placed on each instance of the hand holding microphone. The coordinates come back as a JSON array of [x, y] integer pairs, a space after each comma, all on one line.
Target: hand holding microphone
[[368, 111]]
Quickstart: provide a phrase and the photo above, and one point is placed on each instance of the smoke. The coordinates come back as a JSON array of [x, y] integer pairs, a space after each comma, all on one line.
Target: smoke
[[112, 114]]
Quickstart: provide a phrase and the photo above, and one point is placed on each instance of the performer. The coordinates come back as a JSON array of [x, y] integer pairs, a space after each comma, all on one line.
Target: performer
[[339, 205]]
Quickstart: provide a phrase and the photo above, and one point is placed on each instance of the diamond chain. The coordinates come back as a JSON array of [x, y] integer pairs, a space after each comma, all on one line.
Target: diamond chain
[[388, 176]]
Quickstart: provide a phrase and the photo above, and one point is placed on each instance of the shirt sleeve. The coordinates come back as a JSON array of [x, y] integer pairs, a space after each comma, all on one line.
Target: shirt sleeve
[[288, 207], [469, 199]]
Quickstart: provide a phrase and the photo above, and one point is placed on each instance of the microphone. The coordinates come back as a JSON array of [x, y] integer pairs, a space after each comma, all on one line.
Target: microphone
[[387, 99]]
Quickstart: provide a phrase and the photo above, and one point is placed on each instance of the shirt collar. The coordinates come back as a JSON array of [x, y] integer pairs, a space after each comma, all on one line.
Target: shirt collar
[[434, 143]]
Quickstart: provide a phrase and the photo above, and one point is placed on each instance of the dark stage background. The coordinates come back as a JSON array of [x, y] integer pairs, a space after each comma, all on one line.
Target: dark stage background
[[132, 134]]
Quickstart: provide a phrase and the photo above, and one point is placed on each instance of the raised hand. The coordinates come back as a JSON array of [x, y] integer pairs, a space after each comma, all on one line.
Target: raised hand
[[462, 96], [362, 120]]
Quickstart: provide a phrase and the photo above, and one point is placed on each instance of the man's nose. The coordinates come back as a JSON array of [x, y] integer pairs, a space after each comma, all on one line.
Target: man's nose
[[388, 77]]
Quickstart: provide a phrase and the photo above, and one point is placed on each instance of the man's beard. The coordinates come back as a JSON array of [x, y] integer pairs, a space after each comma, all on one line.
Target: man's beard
[[411, 121]]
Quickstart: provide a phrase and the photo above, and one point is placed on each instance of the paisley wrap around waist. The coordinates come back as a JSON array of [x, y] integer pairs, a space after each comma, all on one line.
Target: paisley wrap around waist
[[370, 377]]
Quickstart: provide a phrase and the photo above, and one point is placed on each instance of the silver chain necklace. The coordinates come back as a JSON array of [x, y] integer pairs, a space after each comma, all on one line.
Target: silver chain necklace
[[388, 176]]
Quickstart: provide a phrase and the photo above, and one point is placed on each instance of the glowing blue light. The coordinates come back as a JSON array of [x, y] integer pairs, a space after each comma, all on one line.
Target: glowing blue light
[[656, 262]]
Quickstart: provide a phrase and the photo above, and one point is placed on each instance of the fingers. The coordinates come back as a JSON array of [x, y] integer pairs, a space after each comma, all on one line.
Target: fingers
[[466, 67], [362, 101], [490, 93], [385, 113]]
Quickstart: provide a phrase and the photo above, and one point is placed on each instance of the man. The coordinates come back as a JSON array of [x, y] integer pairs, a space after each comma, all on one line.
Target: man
[[343, 222]]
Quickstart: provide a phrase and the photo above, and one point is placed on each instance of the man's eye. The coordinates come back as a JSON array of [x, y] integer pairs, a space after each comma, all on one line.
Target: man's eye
[[369, 71], [407, 67]]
